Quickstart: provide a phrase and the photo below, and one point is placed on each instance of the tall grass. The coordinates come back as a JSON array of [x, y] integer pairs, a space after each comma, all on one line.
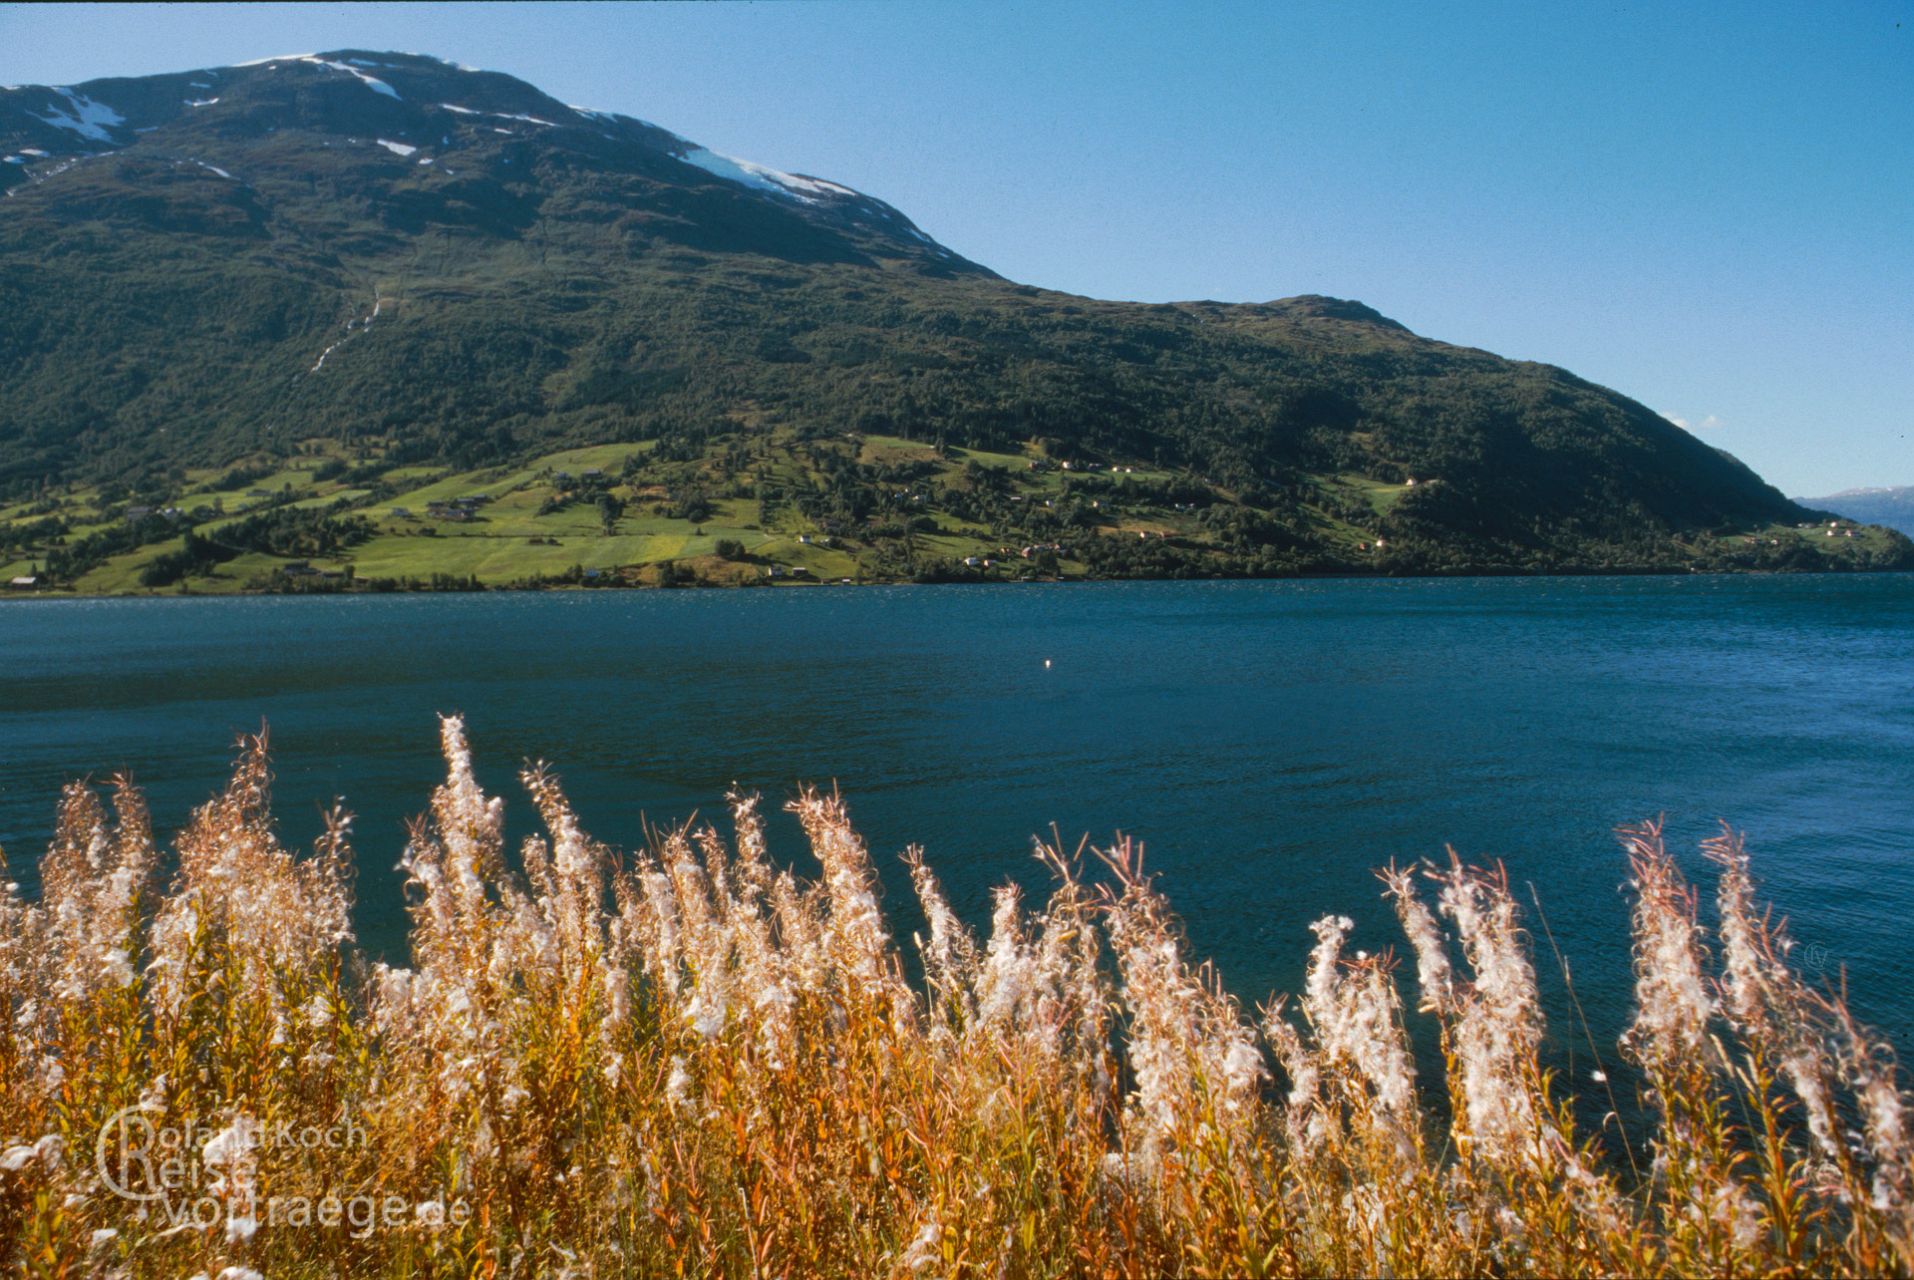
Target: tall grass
[[688, 1061]]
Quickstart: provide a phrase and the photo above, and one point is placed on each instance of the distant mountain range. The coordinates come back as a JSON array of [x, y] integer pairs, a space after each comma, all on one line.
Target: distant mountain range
[[1892, 507], [368, 274]]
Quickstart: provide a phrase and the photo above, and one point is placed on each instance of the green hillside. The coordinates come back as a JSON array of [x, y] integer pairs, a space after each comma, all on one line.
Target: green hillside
[[355, 282]]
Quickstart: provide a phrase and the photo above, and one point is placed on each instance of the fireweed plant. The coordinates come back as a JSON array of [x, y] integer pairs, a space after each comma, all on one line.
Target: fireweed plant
[[690, 1061]]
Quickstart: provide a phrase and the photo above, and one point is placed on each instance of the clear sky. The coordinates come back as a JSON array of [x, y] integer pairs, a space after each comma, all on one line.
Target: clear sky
[[1709, 207]]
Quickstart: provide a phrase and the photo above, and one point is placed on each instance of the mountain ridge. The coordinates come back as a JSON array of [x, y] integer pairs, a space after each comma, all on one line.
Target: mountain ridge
[[390, 262], [1891, 506], [75, 119]]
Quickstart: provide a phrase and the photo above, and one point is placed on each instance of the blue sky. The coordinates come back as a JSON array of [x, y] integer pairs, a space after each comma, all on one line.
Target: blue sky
[[1708, 207]]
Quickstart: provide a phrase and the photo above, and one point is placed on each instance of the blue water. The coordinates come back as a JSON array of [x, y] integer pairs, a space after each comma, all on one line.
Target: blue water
[[1272, 743]]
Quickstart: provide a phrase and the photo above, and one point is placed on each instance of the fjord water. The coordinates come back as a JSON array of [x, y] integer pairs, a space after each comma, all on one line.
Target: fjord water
[[1271, 743]]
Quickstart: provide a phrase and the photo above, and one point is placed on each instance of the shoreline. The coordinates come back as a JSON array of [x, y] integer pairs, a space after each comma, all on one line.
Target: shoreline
[[705, 586]]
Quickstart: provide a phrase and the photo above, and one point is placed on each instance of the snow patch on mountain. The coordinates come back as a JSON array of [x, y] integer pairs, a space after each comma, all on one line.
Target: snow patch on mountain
[[397, 148], [374, 83], [89, 119], [201, 102], [371, 82], [760, 177]]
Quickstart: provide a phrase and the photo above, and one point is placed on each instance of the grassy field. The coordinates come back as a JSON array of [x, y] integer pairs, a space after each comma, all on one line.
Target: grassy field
[[775, 507], [516, 535]]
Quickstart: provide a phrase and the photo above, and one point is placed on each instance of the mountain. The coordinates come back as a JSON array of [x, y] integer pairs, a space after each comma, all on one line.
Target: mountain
[[376, 281], [1891, 507]]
